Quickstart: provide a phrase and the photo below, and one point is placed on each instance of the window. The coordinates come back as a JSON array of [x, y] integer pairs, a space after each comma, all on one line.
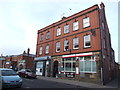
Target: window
[[103, 26], [75, 43], [58, 47], [75, 26], [66, 29], [47, 49], [86, 41], [66, 45], [86, 22], [104, 43], [48, 35], [69, 64], [42, 37], [88, 64], [41, 50], [58, 31]]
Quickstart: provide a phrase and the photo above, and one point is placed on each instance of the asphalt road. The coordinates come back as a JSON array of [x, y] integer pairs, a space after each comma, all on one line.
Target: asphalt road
[[39, 83]]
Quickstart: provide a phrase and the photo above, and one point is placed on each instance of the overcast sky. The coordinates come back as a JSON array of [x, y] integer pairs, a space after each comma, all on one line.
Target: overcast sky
[[21, 19]]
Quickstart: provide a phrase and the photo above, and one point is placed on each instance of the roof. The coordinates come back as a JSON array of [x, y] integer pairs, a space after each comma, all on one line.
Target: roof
[[53, 24]]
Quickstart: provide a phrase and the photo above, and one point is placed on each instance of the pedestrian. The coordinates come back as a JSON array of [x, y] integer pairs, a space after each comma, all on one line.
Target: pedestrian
[[56, 75]]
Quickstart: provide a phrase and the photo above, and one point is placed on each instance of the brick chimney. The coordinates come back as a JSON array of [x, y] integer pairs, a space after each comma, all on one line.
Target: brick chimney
[[102, 5], [28, 51], [24, 52]]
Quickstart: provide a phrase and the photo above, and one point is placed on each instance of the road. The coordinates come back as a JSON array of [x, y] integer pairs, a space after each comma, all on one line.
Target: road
[[37, 83]]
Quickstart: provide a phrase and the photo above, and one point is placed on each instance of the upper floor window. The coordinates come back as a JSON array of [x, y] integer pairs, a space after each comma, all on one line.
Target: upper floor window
[[48, 35], [86, 22], [103, 26], [75, 43], [66, 29], [87, 41], [42, 37], [75, 26], [41, 50], [58, 31], [47, 49], [66, 45], [58, 47]]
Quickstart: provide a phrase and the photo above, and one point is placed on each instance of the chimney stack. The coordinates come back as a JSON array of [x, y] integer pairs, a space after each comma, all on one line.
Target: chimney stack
[[28, 51], [102, 5]]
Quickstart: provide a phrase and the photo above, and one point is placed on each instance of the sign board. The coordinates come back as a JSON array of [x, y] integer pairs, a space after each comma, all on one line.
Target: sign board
[[77, 70], [70, 75]]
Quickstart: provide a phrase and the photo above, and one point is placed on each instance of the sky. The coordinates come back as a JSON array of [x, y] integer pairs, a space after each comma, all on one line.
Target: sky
[[21, 19]]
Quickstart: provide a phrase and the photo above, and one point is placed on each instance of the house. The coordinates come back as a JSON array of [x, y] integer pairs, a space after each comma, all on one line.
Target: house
[[21, 61], [77, 47]]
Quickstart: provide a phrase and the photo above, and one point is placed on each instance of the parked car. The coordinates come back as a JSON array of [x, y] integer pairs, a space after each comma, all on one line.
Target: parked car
[[27, 73], [10, 78]]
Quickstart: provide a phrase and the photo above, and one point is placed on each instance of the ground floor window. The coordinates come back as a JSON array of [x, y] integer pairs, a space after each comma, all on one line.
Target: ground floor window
[[88, 64], [68, 64]]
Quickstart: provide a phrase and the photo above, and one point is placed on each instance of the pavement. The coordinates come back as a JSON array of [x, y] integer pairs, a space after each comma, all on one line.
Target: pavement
[[112, 84]]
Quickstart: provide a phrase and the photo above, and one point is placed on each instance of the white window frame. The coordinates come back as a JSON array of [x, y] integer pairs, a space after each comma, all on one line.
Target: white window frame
[[75, 42], [40, 52], [71, 61], [58, 31], [86, 22], [66, 43], [66, 29], [48, 35], [57, 46], [75, 26], [47, 49], [42, 37], [85, 41], [91, 64]]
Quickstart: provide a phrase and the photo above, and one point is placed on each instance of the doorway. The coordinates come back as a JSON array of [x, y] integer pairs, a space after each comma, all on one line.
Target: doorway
[[55, 68]]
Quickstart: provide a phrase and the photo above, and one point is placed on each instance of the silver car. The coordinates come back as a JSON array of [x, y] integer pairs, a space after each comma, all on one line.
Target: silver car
[[10, 78]]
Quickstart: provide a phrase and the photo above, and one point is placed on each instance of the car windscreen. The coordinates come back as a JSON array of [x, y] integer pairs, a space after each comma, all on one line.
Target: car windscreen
[[8, 73]]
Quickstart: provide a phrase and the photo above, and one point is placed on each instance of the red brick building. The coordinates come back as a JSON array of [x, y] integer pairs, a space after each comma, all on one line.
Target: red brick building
[[22, 61], [2, 60], [77, 47]]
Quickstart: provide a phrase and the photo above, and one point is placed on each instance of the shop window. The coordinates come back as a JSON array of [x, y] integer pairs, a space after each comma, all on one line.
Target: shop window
[[66, 29], [86, 22], [41, 50], [66, 45], [75, 43], [75, 26], [68, 64], [58, 47], [87, 64], [58, 31], [86, 41]]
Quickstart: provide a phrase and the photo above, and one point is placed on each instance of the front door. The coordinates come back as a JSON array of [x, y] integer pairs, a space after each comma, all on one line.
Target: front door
[[39, 68], [55, 68]]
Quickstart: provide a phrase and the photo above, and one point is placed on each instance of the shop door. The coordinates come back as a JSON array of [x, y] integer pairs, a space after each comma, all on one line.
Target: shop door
[[39, 68], [55, 68]]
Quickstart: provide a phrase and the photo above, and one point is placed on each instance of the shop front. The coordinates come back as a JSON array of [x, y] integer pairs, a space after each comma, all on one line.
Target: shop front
[[83, 66], [43, 65]]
